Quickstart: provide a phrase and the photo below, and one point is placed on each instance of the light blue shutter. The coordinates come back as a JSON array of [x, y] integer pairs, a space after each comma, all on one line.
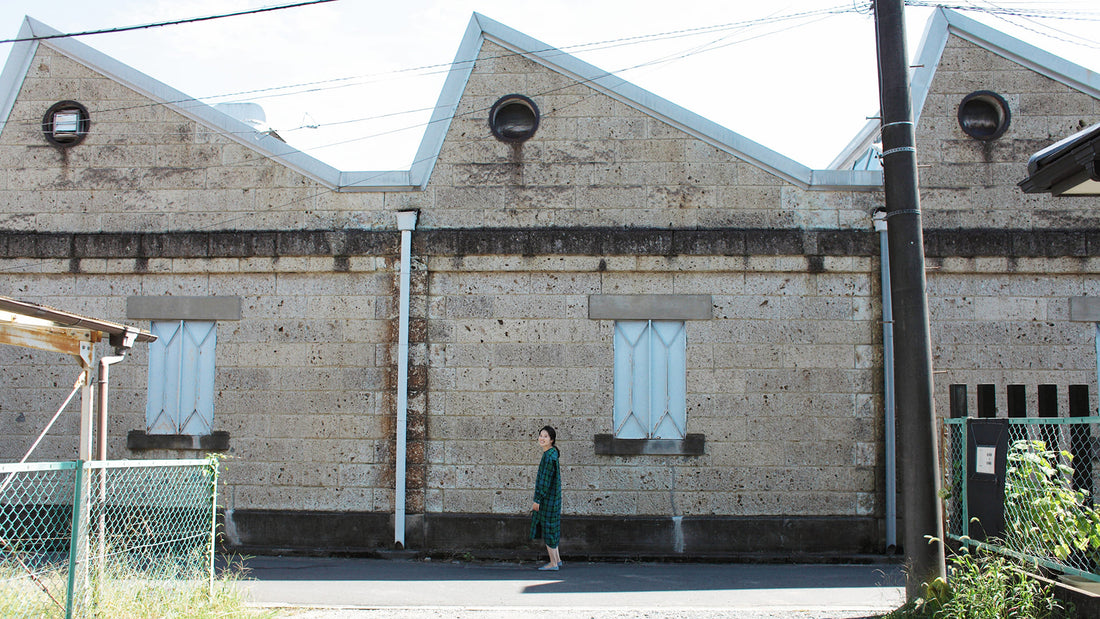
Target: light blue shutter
[[196, 409], [630, 415], [668, 375], [650, 379], [162, 409], [181, 378]]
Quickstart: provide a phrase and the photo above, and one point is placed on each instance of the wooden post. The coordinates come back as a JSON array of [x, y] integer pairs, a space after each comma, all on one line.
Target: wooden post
[[1017, 401], [1080, 439], [987, 401]]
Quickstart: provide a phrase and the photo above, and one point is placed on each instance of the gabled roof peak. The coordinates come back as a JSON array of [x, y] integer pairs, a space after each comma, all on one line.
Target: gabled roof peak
[[945, 22], [482, 28]]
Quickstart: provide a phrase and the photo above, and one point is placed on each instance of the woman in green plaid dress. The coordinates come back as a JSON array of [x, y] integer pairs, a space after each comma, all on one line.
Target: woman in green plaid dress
[[546, 510]]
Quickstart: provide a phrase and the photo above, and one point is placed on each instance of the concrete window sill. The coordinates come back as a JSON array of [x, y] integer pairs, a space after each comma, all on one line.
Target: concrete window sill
[[139, 440], [608, 445]]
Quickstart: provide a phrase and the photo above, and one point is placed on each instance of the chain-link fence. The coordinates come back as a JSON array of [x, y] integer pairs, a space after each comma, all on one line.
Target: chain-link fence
[[76, 538], [1047, 473]]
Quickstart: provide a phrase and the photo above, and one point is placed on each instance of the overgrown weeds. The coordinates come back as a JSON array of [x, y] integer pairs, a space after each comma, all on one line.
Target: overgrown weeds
[[121, 591], [981, 585]]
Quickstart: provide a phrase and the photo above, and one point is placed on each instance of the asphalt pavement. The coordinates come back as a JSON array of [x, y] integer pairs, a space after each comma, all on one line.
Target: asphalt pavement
[[307, 587]]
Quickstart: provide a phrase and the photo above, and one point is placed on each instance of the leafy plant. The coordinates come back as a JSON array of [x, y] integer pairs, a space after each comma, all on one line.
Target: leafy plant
[[1045, 516], [981, 585]]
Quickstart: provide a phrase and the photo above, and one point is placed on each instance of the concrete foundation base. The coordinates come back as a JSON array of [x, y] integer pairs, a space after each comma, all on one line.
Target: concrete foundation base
[[765, 538]]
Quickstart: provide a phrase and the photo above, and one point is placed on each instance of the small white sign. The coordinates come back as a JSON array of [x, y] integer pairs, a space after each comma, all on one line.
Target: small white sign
[[985, 461]]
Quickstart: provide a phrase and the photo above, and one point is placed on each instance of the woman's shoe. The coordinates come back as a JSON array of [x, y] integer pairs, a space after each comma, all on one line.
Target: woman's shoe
[[549, 568], [561, 563]]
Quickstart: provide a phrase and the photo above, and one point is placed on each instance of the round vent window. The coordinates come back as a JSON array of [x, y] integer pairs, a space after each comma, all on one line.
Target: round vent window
[[65, 123], [983, 115], [514, 118]]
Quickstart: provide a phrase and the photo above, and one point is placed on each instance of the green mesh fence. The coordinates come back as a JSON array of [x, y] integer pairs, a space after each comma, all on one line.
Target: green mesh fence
[[1050, 517], [75, 537]]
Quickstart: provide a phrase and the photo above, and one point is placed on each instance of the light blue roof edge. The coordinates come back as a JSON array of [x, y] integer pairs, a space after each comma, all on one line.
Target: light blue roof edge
[[15, 70], [945, 22], [22, 54], [447, 105]]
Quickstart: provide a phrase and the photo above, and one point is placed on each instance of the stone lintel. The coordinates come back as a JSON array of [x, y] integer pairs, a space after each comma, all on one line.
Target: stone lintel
[[183, 308], [650, 307]]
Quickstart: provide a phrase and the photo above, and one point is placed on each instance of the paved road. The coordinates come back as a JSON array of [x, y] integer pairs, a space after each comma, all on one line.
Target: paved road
[[315, 588]]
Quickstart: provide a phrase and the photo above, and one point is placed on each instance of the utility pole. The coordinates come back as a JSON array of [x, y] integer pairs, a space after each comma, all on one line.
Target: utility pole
[[918, 460]]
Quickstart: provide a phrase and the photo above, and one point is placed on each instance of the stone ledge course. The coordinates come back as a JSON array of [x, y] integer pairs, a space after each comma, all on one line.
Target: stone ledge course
[[641, 242]]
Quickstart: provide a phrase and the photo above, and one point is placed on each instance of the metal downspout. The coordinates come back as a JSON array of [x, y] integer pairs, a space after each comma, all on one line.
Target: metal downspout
[[101, 423], [888, 378], [122, 343], [105, 364], [406, 222]]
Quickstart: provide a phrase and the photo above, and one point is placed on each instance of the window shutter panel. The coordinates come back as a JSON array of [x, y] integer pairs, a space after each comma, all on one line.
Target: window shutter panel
[[162, 407], [668, 388], [196, 407], [630, 415]]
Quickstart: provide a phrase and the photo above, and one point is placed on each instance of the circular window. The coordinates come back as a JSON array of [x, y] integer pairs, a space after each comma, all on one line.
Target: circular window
[[514, 118], [65, 123], [983, 115]]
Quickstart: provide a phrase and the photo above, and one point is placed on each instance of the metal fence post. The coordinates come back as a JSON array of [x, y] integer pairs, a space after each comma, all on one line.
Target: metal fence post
[[213, 462], [959, 410], [78, 538]]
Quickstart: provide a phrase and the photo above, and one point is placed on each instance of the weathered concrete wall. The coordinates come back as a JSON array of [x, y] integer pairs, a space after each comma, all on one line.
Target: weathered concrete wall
[[144, 167], [781, 382], [596, 161], [968, 183], [302, 385]]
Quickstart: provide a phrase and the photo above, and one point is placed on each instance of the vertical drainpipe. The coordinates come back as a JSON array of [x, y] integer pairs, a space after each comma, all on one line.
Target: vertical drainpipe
[[888, 371], [406, 222]]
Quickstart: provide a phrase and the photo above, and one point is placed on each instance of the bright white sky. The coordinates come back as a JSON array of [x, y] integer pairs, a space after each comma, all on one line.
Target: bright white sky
[[802, 87]]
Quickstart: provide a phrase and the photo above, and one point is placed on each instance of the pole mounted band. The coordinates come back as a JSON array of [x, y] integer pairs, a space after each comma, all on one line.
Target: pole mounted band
[[904, 211], [898, 122], [900, 149]]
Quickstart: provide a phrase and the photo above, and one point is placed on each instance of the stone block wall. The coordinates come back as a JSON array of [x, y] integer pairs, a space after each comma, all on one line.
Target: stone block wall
[[1003, 322], [783, 382], [144, 167], [969, 183], [596, 161], [304, 380]]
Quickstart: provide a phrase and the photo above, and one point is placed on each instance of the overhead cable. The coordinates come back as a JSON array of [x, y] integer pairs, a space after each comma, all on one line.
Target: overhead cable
[[176, 22]]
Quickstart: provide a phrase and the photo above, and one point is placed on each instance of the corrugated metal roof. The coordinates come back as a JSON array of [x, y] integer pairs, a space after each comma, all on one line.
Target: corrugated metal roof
[[48, 316]]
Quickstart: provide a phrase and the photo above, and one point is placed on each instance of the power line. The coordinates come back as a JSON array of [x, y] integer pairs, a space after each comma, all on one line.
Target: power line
[[446, 67], [435, 69], [1003, 14], [325, 191], [579, 47], [721, 42], [177, 22], [1063, 14]]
